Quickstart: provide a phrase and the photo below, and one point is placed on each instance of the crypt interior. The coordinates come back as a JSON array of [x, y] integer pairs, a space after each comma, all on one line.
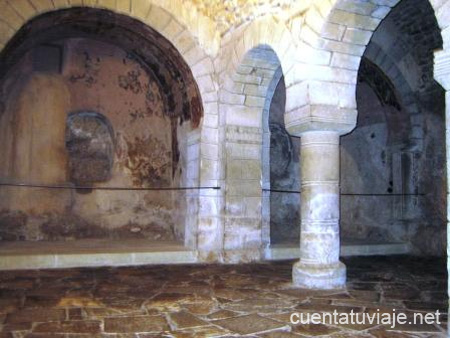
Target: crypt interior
[[204, 168]]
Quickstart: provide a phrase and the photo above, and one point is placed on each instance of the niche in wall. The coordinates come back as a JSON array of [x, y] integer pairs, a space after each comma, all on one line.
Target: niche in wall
[[90, 145]]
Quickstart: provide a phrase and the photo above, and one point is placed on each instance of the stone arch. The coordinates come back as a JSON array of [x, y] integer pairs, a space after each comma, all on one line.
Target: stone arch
[[334, 37], [245, 102], [158, 25], [157, 18], [409, 124], [401, 49], [339, 31], [263, 31], [153, 13], [162, 16]]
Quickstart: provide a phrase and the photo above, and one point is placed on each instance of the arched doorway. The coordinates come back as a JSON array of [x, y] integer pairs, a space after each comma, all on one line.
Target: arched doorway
[[262, 163]]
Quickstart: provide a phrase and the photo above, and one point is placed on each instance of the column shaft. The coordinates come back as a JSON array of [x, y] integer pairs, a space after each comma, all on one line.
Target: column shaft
[[319, 266]]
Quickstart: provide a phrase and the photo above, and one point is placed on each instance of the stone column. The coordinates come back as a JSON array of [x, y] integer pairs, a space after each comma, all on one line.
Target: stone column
[[442, 75], [319, 266]]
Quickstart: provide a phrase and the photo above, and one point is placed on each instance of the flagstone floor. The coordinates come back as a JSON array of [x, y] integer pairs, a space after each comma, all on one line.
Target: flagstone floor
[[252, 300]]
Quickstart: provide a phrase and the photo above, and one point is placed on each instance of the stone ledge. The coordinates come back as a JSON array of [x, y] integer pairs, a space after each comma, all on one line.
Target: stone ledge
[[283, 252], [94, 253]]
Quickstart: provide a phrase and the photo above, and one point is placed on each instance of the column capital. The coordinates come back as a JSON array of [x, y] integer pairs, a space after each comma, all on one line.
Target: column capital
[[442, 68], [320, 137], [320, 118]]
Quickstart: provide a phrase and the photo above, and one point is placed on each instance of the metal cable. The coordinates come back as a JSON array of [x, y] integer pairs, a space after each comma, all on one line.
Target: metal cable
[[299, 192], [29, 185]]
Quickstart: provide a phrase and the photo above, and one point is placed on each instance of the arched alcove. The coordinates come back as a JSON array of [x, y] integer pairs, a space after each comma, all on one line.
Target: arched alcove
[[96, 100], [393, 172]]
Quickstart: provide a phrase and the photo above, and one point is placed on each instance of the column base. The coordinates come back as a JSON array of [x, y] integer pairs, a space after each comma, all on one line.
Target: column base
[[318, 276]]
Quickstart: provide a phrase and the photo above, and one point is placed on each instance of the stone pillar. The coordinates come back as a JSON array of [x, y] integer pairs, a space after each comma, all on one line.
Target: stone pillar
[[319, 266], [442, 75]]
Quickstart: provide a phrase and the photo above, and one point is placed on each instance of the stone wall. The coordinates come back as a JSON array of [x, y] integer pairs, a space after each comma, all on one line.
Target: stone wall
[[368, 171]]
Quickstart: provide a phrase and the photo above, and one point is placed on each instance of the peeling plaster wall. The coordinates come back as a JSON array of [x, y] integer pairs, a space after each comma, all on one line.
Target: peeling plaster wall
[[96, 77]]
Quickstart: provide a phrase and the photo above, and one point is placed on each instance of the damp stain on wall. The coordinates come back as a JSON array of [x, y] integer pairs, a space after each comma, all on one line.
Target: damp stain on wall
[[149, 162]]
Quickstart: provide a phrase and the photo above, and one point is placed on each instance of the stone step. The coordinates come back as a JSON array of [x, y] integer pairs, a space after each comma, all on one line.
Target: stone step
[[91, 253], [282, 252]]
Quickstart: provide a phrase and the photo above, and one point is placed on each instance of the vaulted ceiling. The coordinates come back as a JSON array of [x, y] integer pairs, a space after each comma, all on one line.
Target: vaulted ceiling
[[228, 14]]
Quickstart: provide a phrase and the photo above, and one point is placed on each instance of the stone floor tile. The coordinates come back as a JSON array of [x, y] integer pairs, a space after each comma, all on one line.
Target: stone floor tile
[[135, 324], [400, 291], [230, 294], [185, 320], [259, 305], [94, 313], [17, 327], [302, 294], [8, 305], [18, 283], [46, 335], [360, 286], [201, 307], [383, 333], [311, 330], [358, 327], [282, 317], [365, 295], [124, 303], [371, 310], [280, 334], [36, 315], [76, 301], [250, 324], [6, 335], [340, 295], [222, 314], [201, 332], [75, 314], [170, 302], [415, 328], [353, 302], [350, 335], [308, 307], [188, 290], [427, 306], [73, 326]]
